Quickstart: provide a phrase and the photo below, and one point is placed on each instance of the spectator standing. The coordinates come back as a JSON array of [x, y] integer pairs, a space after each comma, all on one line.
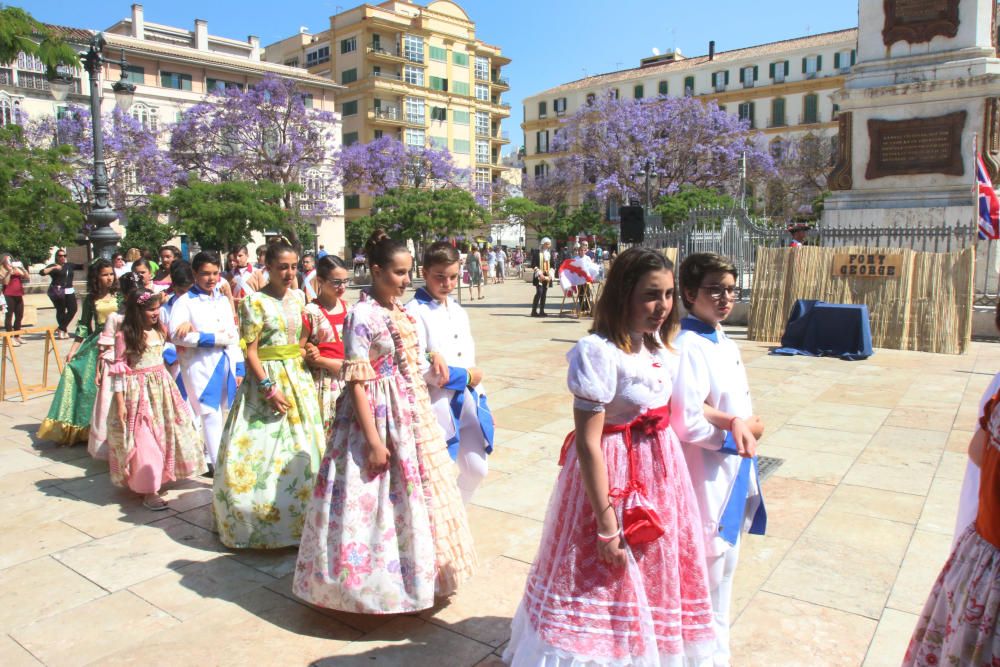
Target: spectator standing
[[61, 292], [14, 276]]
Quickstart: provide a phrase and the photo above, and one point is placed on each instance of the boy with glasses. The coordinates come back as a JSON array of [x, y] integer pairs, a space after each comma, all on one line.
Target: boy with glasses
[[722, 463]]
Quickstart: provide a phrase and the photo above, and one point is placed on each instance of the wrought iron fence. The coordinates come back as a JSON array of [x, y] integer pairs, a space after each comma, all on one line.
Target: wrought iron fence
[[736, 235]]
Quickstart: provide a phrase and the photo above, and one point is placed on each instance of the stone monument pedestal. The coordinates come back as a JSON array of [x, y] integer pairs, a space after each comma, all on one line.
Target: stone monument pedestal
[[920, 98]]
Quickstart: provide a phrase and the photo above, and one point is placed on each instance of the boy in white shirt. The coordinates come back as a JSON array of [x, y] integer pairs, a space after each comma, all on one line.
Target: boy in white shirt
[[722, 463], [209, 355]]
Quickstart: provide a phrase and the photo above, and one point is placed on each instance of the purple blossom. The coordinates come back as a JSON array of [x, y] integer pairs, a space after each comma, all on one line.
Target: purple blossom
[[384, 164]]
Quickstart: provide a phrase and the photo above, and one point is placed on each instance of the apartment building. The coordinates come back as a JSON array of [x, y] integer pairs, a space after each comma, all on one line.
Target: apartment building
[[416, 73], [784, 89], [173, 69]]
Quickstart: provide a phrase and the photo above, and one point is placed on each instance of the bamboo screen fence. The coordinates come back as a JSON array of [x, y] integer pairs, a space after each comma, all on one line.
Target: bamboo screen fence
[[928, 308]]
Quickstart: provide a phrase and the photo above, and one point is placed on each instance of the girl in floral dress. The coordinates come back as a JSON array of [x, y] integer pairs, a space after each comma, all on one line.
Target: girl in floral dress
[[68, 421], [323, 335], [151, 433], [620, 577], [273, 439], [960, 623], [386, 529]]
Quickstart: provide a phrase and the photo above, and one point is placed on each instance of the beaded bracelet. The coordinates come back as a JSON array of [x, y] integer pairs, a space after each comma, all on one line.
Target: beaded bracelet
[[266, 384], [269, 395]]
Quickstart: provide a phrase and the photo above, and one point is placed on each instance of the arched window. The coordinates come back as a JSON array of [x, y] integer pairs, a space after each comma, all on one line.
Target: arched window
[[146, 115], [777, 148], [10, 111]]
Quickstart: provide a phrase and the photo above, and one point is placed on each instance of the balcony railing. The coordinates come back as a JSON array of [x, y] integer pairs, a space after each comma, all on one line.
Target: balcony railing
[[416, 119], [809, 119], [388, 113], [502, 105], [392, 76], [503, 135], [379, 50], [777, 122], [501, 81]]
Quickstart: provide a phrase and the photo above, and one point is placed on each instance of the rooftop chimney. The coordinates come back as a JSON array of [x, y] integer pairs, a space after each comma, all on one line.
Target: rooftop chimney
[[201, 34], [711, 50], [138, 23], [254, 42]]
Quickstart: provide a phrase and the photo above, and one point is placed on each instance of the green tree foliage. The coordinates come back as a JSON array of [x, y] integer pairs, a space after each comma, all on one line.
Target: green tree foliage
[[524, 211], [20, 32], [222, 216], [36, 210], [144, 230], [420, 214], [674, 208]]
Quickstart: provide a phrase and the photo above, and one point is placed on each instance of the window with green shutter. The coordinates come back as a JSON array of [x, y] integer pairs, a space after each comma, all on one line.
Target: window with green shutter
[[460, 87], [352, 201], [460, 117], [810, 112], [746, 112], [438, 83], [349, 75], [439, 142], [350, 138], [175, 80], [543, 109], [688, 86], [135, 74], [439, 53], [349, 108], [460, 59], [778, 112], [439, 113], [460, 146], [662, 88], [637, 91]]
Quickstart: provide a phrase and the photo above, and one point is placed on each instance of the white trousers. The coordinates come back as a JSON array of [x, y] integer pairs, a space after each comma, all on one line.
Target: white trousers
[[472, 464], [720, 582], [212, 422]]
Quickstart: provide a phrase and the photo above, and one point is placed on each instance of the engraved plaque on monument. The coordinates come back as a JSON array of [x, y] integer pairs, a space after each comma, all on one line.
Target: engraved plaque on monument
[[916, 146], [917, 21]]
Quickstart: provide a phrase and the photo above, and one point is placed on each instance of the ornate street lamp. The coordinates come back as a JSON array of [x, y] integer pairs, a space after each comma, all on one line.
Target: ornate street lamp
[[103, 238]]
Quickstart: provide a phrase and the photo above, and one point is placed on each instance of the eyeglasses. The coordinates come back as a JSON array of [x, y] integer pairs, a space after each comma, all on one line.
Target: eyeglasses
[[338, 284], [60, 254], [716, 291]]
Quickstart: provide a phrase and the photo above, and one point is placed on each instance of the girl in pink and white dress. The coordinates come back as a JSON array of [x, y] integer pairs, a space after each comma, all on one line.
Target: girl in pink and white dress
[[620, 577]]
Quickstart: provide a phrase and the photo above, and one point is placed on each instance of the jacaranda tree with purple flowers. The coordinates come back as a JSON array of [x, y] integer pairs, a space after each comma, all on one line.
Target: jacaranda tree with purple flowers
[[375, 167], [263, 134], [610, 143], [138, 166]]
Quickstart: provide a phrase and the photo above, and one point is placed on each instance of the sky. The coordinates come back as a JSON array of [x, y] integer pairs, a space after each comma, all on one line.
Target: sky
[[549, 41]]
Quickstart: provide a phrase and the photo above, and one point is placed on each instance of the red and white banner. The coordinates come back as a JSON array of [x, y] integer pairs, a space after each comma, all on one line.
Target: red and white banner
[[577, 271]]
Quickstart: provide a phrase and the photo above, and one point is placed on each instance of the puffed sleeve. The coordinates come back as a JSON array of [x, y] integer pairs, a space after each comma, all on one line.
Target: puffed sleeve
[[593, 373], [251, 319], [358, 336], [84, 326]]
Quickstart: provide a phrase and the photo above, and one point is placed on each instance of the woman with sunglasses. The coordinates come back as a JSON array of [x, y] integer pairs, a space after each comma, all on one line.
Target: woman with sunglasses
[[61, 292], [322, 334]]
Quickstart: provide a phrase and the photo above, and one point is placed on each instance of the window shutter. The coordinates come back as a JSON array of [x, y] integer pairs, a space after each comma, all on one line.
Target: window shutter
[[752, 107], [755, 72], [819, 63], [804, 68], [714, 75], [854, 55], [727, 77], [663, 88], [770, 70], [786, 68], [836, 60]]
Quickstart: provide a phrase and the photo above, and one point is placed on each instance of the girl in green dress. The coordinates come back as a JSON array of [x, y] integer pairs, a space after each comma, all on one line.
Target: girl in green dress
[[274, 437], [68, 421]]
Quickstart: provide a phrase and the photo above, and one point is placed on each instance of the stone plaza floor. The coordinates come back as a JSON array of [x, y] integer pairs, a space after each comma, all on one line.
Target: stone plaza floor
[[861, 516]]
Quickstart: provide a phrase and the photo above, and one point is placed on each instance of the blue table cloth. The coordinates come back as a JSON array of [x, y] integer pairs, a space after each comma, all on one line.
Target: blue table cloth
[[817, 328]]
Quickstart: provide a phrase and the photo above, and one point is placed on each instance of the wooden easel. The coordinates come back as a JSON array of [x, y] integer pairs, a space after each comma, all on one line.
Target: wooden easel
[[589, 299], [9, 352]]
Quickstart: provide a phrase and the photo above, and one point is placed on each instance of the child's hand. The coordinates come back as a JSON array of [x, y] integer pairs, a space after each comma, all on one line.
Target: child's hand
[[184, 329], [377, 457], [475, 376], [756, 425], [613, 552], [312, 354], [440, 368], [279, 402], [746, 442]]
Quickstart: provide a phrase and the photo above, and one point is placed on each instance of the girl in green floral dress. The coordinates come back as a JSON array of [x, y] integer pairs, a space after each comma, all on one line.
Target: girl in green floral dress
[[273, 440], [68, 421]]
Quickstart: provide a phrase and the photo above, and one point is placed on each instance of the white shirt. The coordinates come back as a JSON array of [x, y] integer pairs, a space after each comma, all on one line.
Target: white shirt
[[713, 373]]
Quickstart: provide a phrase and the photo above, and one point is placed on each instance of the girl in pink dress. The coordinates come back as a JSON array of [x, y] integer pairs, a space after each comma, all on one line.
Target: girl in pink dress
[[323, 335], [620, 575]]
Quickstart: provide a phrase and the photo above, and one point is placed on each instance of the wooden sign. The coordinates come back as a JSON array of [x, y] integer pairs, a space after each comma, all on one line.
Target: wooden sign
[[869, 265], [916, 146], [918, 21]]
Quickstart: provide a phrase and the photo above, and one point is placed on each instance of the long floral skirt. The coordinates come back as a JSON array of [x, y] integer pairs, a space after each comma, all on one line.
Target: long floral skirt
[[367, 546], [959, 623], [97, 440], [267, 462], [656, 611], [160, 442], [328, 389], [68, 421]]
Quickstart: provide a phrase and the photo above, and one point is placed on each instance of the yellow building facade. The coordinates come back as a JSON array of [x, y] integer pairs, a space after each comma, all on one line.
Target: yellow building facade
[[415, 73]]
